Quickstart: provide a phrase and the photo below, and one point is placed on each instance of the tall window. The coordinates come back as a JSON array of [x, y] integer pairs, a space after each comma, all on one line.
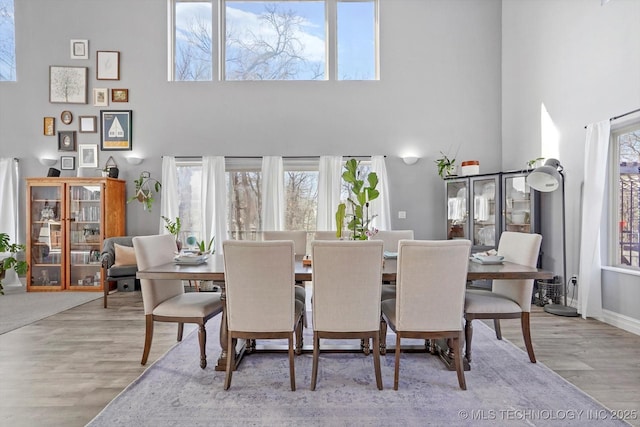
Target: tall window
[[244, 198], [7, 41], [273, 40], [301, 194], [192, 41], [189, 174], [357, 40], [626, 181]]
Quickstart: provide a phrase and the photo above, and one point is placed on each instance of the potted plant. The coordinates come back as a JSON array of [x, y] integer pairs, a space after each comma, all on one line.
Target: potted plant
[[145, 186], [358, 201], [446, 166], [10, 261], [173, 227], [205, 248]]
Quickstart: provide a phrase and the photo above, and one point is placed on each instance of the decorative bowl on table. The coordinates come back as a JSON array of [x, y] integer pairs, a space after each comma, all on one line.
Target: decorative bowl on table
[[190, 258]]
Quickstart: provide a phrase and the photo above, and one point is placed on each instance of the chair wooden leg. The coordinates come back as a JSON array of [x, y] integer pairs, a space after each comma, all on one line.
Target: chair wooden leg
[[148, 336], [316, 356], [468, 335], [180, 331], [376, 359], [202, 338], [458, 361], [299, 339], [292, 370], [526, 334], [396, 371], [383, 336], [496, 326], [231, 355]]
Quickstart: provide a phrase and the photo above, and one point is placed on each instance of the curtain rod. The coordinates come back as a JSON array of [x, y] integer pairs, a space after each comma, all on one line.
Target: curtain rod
[[622, 115], [259, 157]]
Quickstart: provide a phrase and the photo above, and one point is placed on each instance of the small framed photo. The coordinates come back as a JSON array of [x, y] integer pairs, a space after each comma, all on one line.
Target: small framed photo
[[87, 156], [88, 124], [115, 130], [67, 163], [119, 95], [67, 85], [79, 49], [101, 97], [67, 140], [107, 65], [49, 126], [66, 117]]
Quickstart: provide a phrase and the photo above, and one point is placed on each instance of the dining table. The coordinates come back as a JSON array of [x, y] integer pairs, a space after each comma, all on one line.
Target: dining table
[[213, 270]]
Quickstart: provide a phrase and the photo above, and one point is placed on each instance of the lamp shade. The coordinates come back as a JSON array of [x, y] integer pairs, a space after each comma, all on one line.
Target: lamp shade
[[546, 178]]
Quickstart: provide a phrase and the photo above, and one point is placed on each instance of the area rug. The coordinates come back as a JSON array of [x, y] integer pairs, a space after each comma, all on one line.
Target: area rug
[[503, 387], [19, 308]]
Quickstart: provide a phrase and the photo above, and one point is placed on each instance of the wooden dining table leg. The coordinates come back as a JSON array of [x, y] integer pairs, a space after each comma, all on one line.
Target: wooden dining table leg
[[224, 332]]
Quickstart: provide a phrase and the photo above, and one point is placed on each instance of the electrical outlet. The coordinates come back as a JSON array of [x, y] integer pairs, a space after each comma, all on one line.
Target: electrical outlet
[[574, 280]]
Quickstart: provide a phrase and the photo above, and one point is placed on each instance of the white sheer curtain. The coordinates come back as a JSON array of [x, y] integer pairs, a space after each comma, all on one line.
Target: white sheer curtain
[[169, 201], [9, 169], [595, 167], [329, 183], [214, 203], [272, 193], [380, 206]]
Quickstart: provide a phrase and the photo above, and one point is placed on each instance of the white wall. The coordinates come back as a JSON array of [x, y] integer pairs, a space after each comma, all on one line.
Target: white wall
[[439, 90], [582, 61]]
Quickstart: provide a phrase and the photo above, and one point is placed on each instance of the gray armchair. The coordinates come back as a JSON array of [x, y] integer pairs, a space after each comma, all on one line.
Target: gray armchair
[[123, 275]]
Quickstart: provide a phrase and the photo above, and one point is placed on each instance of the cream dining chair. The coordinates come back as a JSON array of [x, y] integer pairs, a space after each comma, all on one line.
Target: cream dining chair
[[390, 239], [325, 235], [260, 301], [507, 299], [299, 238], [431, 282], [347, 276], [165, 300]]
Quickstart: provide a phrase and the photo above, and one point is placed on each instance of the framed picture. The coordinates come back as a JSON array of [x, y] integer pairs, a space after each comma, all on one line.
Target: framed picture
[[101, 97], [66, 117], [87, 156], [67, 163], [119, 95], [107, 65], [49, 126], [88, 124], [67, 85], [115, 130], [67, 140], [79, 49]]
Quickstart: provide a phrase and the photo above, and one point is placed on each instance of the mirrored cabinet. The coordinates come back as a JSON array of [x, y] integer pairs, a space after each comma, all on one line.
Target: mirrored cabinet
[[68, 218]]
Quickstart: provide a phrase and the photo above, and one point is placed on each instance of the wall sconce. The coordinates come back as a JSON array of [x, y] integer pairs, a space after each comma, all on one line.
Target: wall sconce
[[410, 160], [46, 161], [134, 160]]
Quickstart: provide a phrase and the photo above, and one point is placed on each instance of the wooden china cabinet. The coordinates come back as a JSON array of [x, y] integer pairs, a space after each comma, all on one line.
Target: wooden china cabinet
[[67, 221]]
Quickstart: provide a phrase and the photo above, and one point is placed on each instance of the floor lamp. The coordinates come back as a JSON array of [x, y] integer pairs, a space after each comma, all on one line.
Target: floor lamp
[[547, 179]]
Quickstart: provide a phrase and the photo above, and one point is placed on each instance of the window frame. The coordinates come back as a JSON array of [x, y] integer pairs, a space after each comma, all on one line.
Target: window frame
[[613, 208], [12, 68], [218, 34]]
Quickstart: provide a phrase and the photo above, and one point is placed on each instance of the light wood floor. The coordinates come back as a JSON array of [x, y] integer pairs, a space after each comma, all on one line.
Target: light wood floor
[[63, 370]]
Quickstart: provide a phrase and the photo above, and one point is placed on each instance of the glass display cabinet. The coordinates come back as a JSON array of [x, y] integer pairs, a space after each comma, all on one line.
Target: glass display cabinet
[[498, 202], [68, 219]]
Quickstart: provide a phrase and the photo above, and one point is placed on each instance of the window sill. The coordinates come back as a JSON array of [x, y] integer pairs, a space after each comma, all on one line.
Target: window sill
[[620, 270]]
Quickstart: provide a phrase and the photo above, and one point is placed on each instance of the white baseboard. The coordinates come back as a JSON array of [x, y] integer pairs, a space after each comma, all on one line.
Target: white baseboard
[[621, 321]]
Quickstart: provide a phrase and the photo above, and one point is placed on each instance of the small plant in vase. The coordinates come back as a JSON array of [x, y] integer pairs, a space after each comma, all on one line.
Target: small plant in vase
[[204, 248], [446, 166], [356, 208], [173, 227], [145, 186], [10, 262]]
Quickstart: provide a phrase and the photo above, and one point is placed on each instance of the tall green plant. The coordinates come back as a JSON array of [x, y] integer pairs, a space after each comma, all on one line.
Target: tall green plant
[[356, 209]]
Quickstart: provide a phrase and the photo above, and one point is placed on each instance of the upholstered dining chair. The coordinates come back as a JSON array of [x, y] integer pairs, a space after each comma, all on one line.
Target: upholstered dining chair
[[325, 235], [347, 276], [507, 299], [260, 302], [390, 239], [299, 238], [166, 300], [431, 281]]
